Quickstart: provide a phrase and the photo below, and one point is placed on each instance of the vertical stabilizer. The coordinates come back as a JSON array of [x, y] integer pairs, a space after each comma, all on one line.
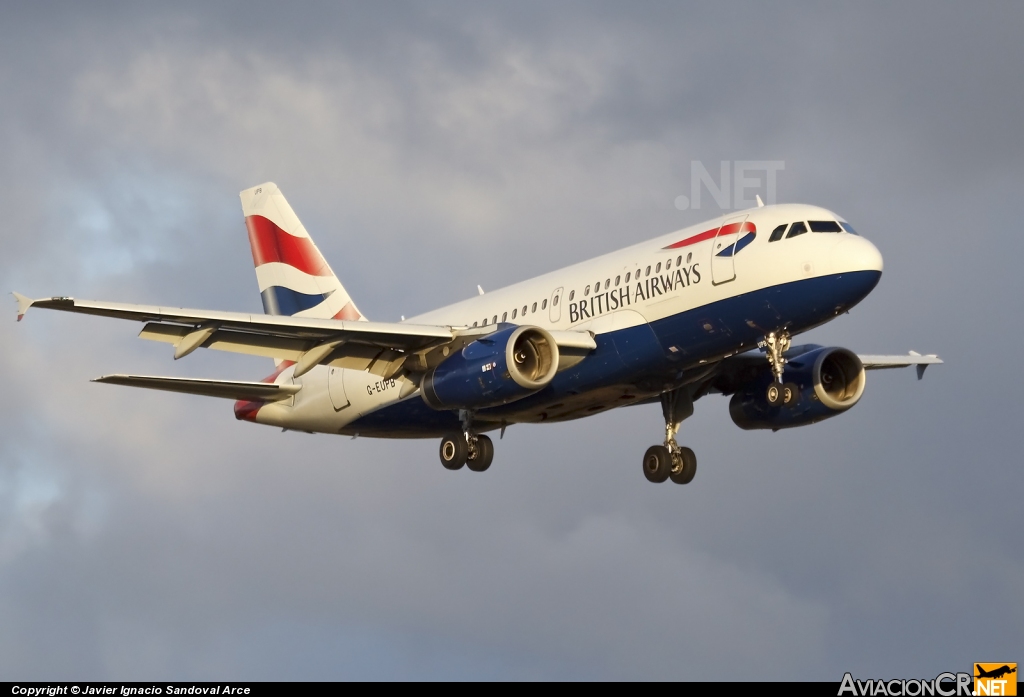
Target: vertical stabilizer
[[294, 278]]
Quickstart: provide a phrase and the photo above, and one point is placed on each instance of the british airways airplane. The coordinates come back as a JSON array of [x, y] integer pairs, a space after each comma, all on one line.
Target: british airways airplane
[[709, 309]]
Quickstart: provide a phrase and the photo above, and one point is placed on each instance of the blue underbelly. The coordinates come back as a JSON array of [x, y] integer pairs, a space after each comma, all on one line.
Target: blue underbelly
[[651, 353]]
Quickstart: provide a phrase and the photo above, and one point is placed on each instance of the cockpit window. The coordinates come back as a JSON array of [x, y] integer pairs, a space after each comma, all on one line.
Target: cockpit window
[[849, 228], [777, 233], [825, 226], [797, 228]]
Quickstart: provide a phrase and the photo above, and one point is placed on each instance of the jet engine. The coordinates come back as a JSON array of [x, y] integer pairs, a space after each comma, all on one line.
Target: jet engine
[[829, 381], [499, 368]]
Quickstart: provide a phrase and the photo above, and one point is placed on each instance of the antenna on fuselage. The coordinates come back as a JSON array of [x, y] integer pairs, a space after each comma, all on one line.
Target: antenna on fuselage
[[760, 203], [479, 290]]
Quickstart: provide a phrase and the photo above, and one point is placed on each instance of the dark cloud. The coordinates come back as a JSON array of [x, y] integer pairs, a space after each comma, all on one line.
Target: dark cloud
[[432, 147]]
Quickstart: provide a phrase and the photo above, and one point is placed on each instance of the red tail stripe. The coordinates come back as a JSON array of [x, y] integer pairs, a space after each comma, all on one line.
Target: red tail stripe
[[709, 234], [270, 243]]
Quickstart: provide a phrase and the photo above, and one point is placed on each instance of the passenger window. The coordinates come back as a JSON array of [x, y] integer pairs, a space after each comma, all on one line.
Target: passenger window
[[849, 229], [597, 287], [668, 264], [554, 302], [586, 291], [544, 305], [524, 310], [648, 272], [572, 294], [628, 274], [534, 308], [657, 269], [514, 313], [617, 280], [475, 323], [688, 257], [504, 316], [484, 323], [825, 226], [679, 260], [607, 283], [795, 229], [495, 319], [778, 232]]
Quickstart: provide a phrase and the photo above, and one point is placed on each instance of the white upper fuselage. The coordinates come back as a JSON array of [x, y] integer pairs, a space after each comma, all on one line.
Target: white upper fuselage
[[762, 264]]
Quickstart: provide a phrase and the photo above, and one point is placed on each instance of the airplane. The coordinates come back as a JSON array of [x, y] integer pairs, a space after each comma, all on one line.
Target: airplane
[[710, 309], [996, 673]]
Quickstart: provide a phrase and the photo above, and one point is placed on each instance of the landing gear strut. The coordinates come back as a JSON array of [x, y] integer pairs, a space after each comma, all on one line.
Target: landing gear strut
[[671, 461], [779, 393], [466, 448]]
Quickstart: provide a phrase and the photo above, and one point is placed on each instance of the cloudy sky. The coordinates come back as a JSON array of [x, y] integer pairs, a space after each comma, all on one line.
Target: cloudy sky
[[432, 147]]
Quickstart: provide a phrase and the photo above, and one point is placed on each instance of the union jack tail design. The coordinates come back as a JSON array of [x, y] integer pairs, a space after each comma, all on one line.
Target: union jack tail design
[[293, 276]]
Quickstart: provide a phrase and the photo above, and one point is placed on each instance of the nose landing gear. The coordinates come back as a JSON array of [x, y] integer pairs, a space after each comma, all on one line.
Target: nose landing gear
[[779, 393], [466, 448], [671, 461]]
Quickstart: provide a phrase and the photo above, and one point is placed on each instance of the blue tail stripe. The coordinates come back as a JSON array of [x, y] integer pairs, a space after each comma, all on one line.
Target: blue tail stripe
[[278, 300]]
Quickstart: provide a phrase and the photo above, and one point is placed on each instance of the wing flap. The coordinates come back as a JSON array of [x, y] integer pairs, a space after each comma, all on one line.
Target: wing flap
[[227, 389]]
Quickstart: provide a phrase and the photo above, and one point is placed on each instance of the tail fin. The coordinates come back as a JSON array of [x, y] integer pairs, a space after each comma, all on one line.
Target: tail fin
[[293, 276]]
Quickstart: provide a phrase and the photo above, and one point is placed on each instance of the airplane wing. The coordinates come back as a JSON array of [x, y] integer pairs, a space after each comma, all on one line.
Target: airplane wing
[[913, 358], [228, 389], [383, 348]]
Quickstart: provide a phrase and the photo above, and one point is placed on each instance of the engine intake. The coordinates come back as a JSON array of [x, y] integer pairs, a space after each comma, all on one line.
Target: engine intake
[[499, 368], [830, 380]]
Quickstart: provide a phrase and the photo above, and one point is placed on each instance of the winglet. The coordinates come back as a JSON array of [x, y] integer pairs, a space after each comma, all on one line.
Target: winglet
[[23, 304]]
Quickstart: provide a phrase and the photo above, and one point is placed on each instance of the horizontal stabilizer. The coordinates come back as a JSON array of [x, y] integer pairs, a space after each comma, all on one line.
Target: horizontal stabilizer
[[228, 389], [23, 304]]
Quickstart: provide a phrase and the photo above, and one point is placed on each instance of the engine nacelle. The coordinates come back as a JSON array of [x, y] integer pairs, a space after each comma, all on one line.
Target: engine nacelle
[[499, 368], [830, 380]]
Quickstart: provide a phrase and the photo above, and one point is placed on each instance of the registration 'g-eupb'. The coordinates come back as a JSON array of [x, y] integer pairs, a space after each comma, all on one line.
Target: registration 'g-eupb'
[[709, 309]]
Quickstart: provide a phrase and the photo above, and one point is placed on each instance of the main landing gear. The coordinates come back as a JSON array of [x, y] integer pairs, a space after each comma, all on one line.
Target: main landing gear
[[671, 461], [779, 393], [466, 448]]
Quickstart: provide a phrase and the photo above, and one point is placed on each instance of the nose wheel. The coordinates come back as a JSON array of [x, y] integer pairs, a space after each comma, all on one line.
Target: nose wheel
[[779, 393], [671, 461]]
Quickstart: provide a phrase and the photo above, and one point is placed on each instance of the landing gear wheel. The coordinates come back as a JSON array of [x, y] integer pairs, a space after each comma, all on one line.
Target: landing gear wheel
[[774, 394], [790, 394], [657, 464], [689, 467], [454, 451], [484, 454]]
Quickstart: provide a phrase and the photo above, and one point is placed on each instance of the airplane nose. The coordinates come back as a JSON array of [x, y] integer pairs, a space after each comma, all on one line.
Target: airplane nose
[[853, 253]]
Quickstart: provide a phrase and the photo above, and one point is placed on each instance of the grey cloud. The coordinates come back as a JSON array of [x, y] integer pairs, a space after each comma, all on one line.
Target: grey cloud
[[429, 148]]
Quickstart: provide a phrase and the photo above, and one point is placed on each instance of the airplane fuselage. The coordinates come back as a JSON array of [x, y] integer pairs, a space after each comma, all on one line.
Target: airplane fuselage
[[661, 312]]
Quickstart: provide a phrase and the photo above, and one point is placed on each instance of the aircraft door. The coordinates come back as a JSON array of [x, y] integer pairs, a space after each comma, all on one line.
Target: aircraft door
[[336, 386], [723, 264], [555, 310]]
